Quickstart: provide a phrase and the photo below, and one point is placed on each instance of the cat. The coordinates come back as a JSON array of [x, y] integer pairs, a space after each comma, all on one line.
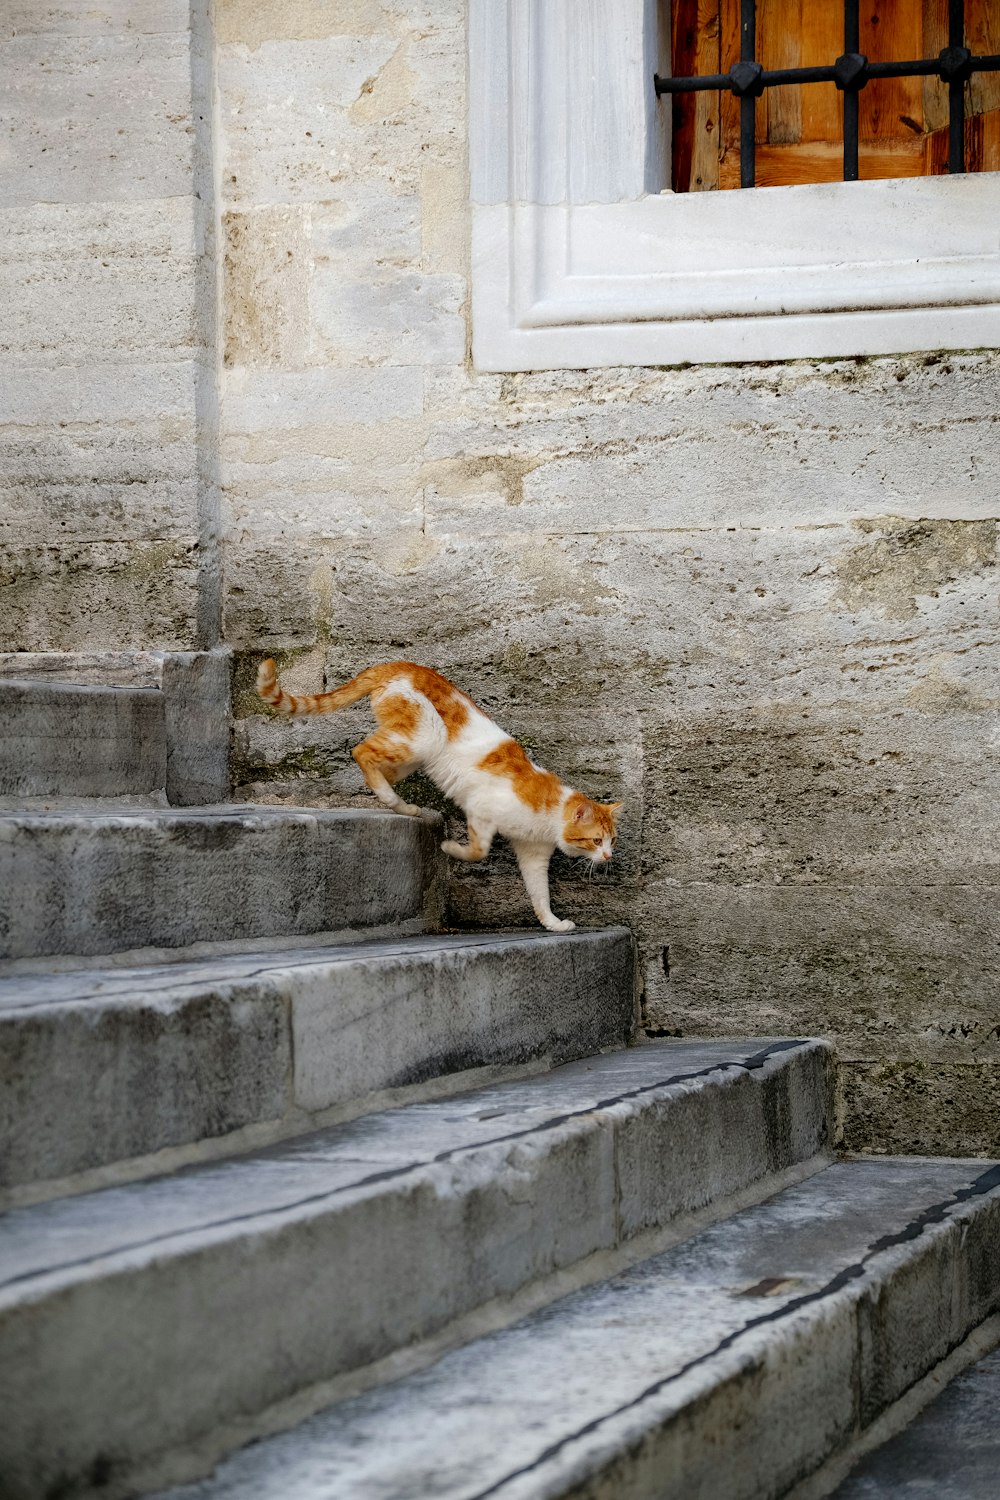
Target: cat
[[426, 723]]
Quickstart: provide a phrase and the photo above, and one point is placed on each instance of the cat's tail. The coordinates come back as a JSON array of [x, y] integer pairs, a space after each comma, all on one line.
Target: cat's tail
[[270, 689]]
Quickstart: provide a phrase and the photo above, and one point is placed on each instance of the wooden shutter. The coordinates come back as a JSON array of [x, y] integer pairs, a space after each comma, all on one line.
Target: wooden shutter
[[903, 122]]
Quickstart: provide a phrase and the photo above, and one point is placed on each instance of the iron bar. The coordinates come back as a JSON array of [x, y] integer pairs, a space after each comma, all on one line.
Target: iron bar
[[748, 99], [852, 50], [927, 67], [956, 89]]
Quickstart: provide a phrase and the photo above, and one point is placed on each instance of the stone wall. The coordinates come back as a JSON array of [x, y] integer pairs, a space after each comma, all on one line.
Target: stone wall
[[105, 333], [759, 604]]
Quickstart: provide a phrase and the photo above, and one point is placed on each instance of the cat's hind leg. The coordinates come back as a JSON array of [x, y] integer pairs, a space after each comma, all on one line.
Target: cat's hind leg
[[383, 759], [533, 861], [481, 837]]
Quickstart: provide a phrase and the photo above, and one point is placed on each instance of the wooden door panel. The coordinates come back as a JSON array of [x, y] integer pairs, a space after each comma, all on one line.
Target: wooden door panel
[[903, 123]]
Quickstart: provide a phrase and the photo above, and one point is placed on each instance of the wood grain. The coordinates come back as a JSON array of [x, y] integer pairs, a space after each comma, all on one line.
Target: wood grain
[[822, 103], [823, 161], [982, 146], [696, 116], [891, 31], [982, 34], [779, 38]]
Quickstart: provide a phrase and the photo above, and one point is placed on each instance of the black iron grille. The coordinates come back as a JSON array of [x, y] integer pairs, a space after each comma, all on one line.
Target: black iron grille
[[747, 79]]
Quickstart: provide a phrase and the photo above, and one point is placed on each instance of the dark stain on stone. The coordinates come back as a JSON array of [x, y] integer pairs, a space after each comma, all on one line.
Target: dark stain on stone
[[903, 561], [209, 836]]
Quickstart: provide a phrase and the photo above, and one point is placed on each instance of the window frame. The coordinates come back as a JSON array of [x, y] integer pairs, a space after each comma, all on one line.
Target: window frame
[[579, 259]]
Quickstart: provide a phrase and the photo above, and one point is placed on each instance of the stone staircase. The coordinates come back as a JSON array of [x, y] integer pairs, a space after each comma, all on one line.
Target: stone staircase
[[310, 1197]]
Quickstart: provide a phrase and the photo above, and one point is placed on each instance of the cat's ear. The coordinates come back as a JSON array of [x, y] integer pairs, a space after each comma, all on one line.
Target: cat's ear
[[613, 807], [581, 813]]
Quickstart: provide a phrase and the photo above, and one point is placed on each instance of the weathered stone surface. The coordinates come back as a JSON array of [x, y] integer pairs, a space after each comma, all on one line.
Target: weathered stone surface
[[97, 281], [89, 595], [102, 493], [196, 700], [74, 147], [731, 1365], [63, 740], [444, 1004], [100, 1065], [405, 315], [924, 1103], [96, 17], [302, 150], [725, 546], [261, 406], [131, 669], [950, 1450], [887, 968], [213, 1293], [73, 883], [266, 281]]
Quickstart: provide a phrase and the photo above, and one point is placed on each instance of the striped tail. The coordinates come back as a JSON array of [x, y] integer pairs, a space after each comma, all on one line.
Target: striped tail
[[269, 688]]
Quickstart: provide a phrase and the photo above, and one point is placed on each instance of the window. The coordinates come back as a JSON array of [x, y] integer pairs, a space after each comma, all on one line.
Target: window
[[584, 256], [827, 92]]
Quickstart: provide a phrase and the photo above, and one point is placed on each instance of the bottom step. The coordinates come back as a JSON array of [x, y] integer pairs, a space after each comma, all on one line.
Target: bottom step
[[727, 1368], [950, 1452]]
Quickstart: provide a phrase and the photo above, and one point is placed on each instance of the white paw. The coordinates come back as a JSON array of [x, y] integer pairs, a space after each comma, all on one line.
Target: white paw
[[560, 926], [409, 810], [455, 850]]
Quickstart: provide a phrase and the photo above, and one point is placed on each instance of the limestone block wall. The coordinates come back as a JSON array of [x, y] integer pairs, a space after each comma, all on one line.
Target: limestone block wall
[[106, 244], [760, 605]]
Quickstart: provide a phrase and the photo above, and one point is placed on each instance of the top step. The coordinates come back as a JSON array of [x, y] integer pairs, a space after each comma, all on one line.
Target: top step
[[85, 883], [62, 739]]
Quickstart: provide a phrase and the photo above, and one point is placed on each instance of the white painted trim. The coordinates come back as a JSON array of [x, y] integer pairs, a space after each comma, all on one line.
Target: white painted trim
[[579, 262]]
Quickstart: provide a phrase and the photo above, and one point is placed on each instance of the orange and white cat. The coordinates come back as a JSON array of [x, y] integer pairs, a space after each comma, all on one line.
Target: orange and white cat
[[426, 723]]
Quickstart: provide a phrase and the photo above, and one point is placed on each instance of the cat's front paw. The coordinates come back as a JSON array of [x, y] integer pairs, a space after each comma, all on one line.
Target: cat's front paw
[[455, 850], [409, 810], [557, 925]]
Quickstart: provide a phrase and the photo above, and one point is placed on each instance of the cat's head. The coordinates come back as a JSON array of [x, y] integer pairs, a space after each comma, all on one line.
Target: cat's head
[[589, 828]]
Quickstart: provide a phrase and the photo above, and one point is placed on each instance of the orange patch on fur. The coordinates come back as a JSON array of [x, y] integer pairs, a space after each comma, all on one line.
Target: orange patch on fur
[[539, 790], [381, 755], [397, 714], [451, 704]]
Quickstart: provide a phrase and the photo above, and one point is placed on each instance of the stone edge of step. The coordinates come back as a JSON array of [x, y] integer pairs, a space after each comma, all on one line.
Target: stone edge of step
[[791, 1064], [488, 1166], [838, 1339], [286, 1088], [881, 1299], [38, 850]]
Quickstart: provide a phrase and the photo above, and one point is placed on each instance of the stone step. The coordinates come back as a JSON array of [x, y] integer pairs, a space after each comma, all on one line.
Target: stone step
[[951, 1451], [86, 883], [726, 1368], [144, 1318], [63, 739], [102, 1064]]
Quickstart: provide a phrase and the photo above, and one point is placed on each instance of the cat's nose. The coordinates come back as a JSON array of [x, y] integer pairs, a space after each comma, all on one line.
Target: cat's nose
[[606, 855]]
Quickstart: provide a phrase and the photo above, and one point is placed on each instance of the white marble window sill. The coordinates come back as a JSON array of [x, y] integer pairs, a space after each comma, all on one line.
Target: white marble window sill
[[579, 260]]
